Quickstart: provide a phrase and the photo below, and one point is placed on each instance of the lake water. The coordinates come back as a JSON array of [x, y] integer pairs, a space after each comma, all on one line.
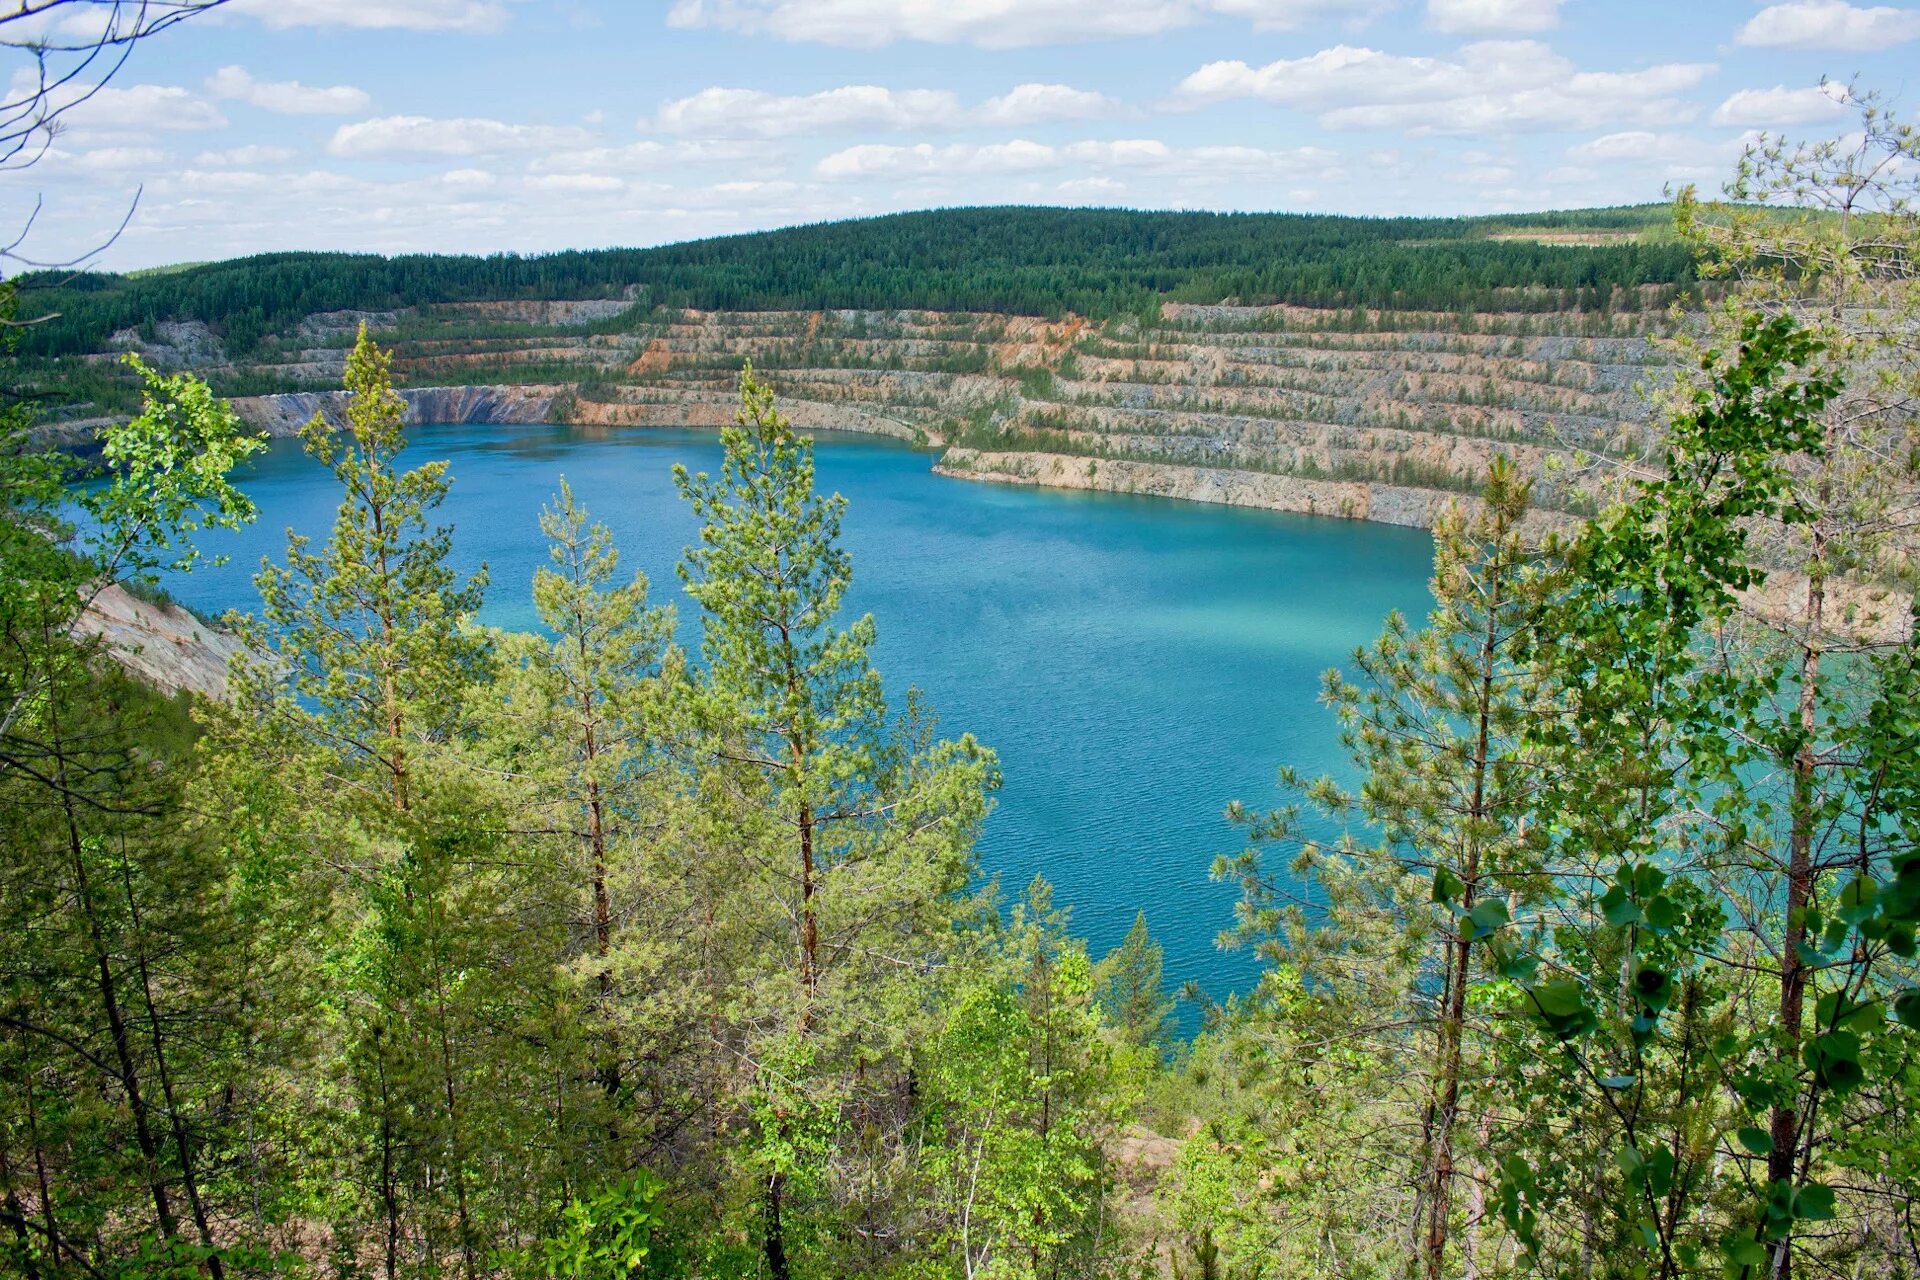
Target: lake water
[[1136, 662]]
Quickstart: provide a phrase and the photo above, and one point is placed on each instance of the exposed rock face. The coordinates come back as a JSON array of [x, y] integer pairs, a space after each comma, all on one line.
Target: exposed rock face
[[1346, 499], [165, 646], [178, 344], [284, 415]]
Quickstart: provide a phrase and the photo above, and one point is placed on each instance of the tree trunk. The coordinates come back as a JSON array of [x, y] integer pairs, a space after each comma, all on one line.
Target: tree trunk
[[176, 1124], [1784, 1121], [17, 1218], [776, 1228], [110, 999], [1453, 1020]]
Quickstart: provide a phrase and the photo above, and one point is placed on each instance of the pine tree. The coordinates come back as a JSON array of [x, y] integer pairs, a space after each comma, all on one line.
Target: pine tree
[[105, 888], [1133, 996], [367, 657], [858, 833], [1434, 719], [578, 718]]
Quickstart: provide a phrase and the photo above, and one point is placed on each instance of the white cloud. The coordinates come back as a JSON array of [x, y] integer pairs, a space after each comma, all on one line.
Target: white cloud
[[735, 113], [241, 157], [1481, 17], [1146, 155], [751, 187], [1781, 105], [994, 24], [1663, 154], [145, 108], [1628, 144], [378, 15], [1091, 188], [879, 160], [578, 183], [648, 155], [751, 113], [118, 159], [57, 26], [1040, 103], [1493, 86], [288, 97], [1829, 24], [473, 178], [1284, 15], [415, 137]]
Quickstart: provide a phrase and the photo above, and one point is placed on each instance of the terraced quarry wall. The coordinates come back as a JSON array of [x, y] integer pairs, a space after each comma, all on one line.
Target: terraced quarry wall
[[1358, 414], [1361, 415]]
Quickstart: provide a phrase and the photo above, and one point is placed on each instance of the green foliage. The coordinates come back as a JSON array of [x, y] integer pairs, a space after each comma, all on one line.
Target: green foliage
[[1028, 261], [617, 1234], [1020, 1097], [1132, 995]]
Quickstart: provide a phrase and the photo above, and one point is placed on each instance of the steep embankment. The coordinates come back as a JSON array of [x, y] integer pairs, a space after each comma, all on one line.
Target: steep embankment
[[163, 645], [1393, 355], [283, 414], [1367, 414]]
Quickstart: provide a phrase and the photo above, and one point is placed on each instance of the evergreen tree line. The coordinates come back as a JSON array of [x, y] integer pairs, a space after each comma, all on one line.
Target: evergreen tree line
[[437, 950], [1023, 261]]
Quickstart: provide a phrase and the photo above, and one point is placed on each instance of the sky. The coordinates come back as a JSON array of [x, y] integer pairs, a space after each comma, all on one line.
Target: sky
[[481, 126]]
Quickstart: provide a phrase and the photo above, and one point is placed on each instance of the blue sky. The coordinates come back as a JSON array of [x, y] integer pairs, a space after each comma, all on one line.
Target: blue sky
[[486, 125]]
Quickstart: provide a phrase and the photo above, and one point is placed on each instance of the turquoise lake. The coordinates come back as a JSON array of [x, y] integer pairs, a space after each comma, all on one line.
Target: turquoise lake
[[1136, 662]]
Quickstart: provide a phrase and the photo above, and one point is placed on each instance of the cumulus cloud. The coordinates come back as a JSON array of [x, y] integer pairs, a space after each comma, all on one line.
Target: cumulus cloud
[[61, 25], [288, 97], [1490, 87], [648, 155], [1041, 103], [994, 24], [1829, 24], [724, 113], [425, 137], [1781, 105], [1147, 155], [378, 15], [1483, 17], [1091, 188], [117, 159], [143, 108], [1663, 154], [752, 113], [579, 183], [874, 159], [241, 157]]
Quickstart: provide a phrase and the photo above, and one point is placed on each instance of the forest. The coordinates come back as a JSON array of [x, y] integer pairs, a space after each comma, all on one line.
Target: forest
[[1024, 261], [642, 945]]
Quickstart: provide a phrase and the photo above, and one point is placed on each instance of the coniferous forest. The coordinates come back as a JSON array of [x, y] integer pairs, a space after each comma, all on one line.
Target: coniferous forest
[[653, 942], [1091, 262]]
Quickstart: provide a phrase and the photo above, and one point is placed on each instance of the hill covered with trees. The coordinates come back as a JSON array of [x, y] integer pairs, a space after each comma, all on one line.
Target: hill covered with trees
[[1016, 261], [1367, 367]]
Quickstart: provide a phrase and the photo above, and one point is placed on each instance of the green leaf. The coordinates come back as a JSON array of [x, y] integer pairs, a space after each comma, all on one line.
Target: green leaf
[[1813, 1203], [1486, 918], [1560, 998], [1654, 987], [1757, 1141], [1906, 1007], [1835, 1059], [1446, 886], [1857, 899], [1662, 914], [1619, 907]]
